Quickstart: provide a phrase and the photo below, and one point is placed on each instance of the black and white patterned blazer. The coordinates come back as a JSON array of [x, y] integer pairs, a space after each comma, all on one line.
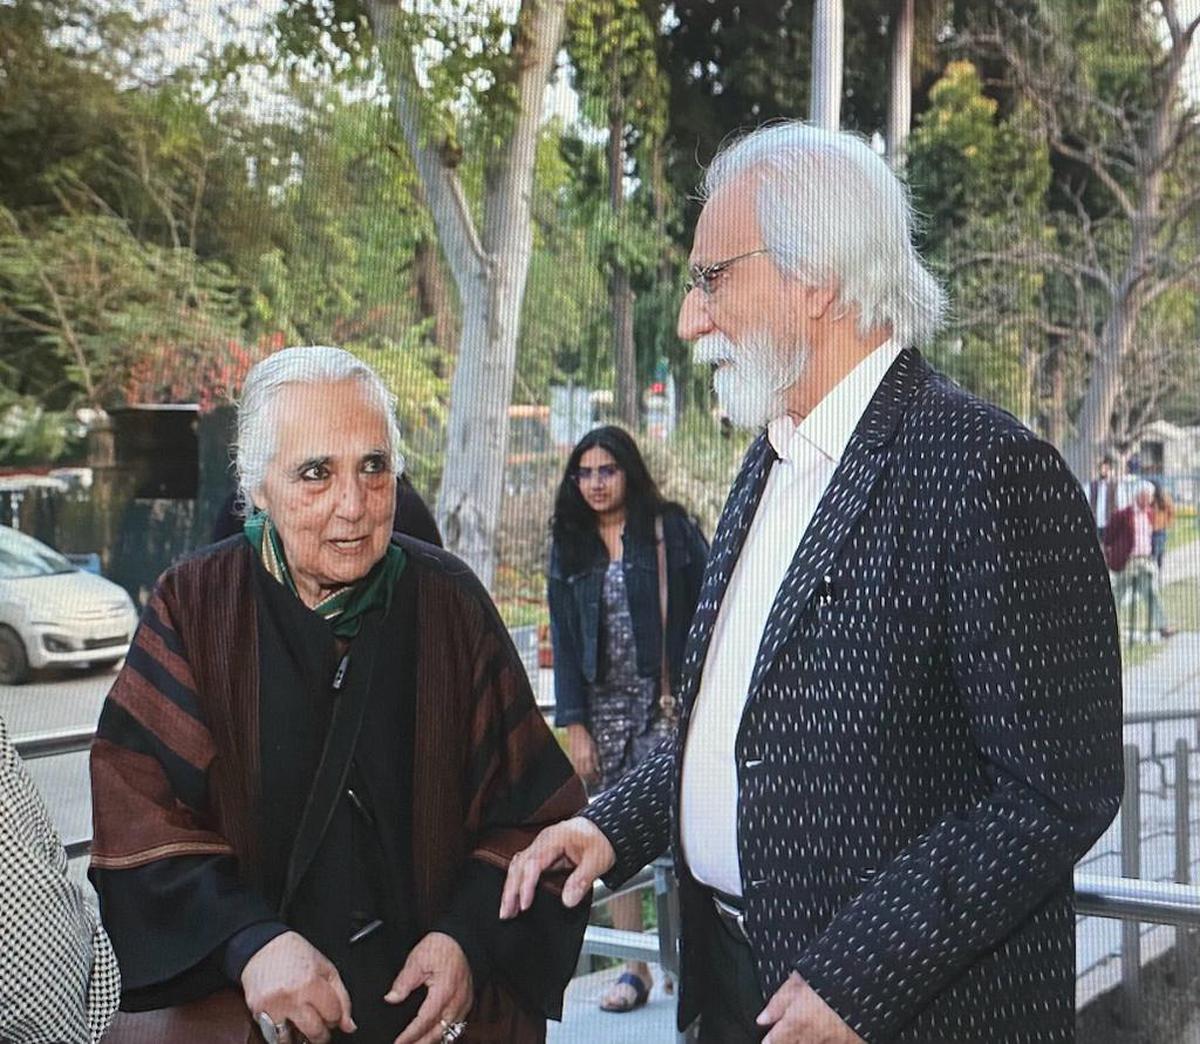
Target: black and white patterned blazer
[[932, 735]]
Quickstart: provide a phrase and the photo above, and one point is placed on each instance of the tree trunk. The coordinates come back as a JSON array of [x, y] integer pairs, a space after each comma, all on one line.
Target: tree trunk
[[899, 115], [826, 94], [620, 292], [489, 270], [433, 295], [1094, 427], [1130, 293], [1056, 411]]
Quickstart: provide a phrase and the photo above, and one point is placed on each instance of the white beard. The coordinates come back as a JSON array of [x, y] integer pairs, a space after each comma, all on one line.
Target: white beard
[[753, 377]]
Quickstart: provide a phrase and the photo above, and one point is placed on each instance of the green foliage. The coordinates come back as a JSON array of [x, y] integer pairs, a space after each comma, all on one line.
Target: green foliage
[[966, 163], [94, 299], [979, 182], [411, 370], [31, 434]]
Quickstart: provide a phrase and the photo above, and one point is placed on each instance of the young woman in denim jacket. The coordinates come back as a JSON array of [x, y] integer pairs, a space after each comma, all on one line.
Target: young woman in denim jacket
[[606, 626]]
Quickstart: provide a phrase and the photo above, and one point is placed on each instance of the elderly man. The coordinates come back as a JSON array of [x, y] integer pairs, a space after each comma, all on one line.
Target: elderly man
[[321, 752], [901, 705]]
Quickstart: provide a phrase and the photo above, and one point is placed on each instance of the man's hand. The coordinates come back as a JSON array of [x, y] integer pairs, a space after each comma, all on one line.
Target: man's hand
[[585, 758], [292, 981], [797, 1015], [438, 963], [576, 843]]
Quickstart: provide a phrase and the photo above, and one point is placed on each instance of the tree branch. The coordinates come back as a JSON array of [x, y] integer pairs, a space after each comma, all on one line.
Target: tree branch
[[443, 190]]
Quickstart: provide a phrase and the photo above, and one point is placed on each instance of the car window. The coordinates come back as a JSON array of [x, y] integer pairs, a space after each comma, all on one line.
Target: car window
[[22, 556]]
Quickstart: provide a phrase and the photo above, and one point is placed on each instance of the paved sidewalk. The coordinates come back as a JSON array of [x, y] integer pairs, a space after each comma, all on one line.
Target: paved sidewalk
[[584, 1023], [1167, 681], [1182, 562]]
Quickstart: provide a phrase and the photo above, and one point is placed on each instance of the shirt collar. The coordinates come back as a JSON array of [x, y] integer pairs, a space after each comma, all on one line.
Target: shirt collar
[[827, 429]]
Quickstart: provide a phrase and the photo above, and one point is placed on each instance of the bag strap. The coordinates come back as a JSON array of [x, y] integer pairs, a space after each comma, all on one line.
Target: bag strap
[[666, 699]]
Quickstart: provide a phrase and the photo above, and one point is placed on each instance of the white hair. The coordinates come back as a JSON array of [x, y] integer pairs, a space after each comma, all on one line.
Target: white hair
[[311, 364], [830, 208], [1144, 486]]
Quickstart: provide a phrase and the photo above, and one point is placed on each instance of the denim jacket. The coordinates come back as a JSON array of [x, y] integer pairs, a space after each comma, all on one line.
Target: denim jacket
[[575, 611]]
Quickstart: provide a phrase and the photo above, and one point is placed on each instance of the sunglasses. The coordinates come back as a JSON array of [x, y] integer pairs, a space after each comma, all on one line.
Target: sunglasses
[[605, 472]]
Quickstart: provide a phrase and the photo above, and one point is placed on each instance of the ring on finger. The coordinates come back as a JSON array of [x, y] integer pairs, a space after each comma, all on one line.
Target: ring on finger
[[451, 1031]]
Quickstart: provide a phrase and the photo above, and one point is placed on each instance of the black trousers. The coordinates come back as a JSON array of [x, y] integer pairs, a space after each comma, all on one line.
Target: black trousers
[[733, 1000]]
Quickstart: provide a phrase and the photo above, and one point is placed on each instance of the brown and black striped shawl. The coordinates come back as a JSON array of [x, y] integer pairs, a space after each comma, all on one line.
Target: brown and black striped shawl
[[180, 777]]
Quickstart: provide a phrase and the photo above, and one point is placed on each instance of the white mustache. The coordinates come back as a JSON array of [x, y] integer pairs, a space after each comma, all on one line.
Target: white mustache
[[713, 348]]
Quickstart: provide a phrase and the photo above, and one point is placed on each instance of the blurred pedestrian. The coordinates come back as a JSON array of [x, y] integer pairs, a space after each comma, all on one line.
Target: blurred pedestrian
[[1162, 514], [1128, 549], [1104, 495]]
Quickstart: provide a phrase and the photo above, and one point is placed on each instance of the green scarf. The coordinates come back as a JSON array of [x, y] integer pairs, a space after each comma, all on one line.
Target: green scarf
[[343, 609]]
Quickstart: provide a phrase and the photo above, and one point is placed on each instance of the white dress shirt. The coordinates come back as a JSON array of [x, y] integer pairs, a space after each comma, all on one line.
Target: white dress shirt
[[808, 456]]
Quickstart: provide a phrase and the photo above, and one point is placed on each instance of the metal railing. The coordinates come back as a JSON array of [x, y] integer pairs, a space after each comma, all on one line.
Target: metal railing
[[1127, 898]]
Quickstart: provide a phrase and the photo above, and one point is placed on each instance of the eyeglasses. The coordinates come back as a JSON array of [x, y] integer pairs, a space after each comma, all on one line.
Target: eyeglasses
[[605, 473], [704, 277]]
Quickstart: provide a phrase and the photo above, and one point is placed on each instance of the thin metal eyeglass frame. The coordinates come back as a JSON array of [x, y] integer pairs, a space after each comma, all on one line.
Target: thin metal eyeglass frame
[[582, 475], [701, 276]]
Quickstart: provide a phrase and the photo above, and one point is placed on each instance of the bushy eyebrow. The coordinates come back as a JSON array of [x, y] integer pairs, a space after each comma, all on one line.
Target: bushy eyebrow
[[329, 458], [311, 462]]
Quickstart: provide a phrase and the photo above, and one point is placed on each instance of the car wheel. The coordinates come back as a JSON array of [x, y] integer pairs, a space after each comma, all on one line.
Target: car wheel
[[14, 663]]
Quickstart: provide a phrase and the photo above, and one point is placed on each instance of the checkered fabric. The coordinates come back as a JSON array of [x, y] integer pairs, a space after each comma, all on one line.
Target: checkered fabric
[[59, 982]]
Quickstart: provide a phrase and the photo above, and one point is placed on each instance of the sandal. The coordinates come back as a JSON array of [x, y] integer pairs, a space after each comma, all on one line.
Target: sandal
[[614, 1001]]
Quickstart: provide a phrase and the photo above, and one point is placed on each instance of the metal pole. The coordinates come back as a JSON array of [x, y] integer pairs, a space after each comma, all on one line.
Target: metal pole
[[1131, 931], [1183, 847], [1183, 838]]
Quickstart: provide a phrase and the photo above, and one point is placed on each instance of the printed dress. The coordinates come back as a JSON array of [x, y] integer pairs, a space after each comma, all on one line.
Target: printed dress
[[623, 706]]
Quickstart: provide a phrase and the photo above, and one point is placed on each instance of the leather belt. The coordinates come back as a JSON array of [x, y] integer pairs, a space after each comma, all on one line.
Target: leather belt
[[732, 914]]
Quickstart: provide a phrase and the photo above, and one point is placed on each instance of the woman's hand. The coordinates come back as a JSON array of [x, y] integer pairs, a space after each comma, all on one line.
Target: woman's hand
[[585, 758], [437, 963], [292, 981]]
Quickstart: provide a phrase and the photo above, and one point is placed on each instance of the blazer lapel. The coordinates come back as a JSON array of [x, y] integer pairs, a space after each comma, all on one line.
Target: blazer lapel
[[722, 557], [847, 494]]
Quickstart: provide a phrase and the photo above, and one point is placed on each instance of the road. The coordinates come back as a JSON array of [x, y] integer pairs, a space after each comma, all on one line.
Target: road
[[55, 700]]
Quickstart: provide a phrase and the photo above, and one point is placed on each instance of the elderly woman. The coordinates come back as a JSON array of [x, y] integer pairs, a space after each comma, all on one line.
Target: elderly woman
[[321, 752]]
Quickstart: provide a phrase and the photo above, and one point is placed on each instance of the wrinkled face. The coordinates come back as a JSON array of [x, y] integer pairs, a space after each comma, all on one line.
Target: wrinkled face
[[1144, 499], [601, 480], [750, 326], [329, 488]]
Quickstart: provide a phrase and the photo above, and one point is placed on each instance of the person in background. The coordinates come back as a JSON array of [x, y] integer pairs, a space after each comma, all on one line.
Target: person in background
[[321, 752], [1128, 549], [1162, 514], [606, 627], [1105, 495], [59, 982]]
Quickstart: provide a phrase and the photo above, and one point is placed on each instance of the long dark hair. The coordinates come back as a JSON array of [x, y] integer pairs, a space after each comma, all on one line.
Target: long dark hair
[[573, 525]]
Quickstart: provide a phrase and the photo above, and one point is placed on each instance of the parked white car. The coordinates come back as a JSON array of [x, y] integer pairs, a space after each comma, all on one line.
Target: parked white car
[[52, 612]]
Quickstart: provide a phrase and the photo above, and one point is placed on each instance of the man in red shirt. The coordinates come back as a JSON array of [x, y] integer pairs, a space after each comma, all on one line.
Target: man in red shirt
[[1127, 549]]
